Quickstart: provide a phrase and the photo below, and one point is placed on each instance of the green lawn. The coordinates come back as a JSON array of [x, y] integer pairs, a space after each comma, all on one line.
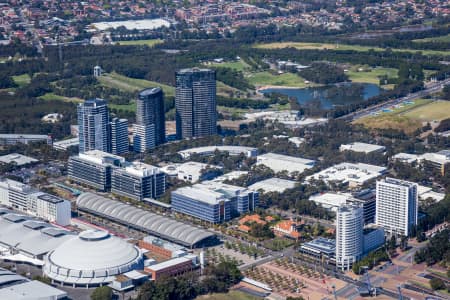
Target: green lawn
[[443, 38], [285, 79], [342, 47], [231, 295], [239, 65], [132, 84], [22, 80], [54, 97], [370, 75], [126, 107], [149, 43]]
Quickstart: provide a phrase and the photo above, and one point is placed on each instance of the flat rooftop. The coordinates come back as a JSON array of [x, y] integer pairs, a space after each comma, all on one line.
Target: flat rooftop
[[357, 173], [273, 185], [362, 147], [280, 162], [17, 159], [232, 150], [100, 157], [65, 144], [168, 263]]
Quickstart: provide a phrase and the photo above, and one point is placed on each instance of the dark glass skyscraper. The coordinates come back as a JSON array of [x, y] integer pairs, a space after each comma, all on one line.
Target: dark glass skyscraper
[[150, 119], [93, 125], [195, 103]]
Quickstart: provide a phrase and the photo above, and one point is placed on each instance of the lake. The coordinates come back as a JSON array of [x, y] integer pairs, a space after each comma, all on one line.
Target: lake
[[330, 95]]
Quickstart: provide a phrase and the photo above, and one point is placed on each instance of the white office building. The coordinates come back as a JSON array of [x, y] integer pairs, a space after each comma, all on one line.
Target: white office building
[[15, 194], [279, 162], [349, 235], [362, 148], [49, 207], [396, 206]]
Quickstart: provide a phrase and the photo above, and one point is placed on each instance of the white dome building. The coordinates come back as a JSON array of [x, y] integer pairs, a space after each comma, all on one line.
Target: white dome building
[[92, 258]]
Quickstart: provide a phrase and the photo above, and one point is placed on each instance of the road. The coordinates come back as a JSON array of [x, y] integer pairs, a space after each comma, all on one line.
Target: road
[[431, 88]]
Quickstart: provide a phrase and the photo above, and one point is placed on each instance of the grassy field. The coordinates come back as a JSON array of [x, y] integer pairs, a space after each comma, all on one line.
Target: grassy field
[[132, 84], [285, 79], [231, 295], [54, 97], [370, 75], [22, 80], [341, 47], [239, 65], [410, 117], [149, 43], [444, 38]]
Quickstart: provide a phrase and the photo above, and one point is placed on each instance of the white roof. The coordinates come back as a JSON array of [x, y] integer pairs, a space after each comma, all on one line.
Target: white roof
[[146, 24], [279, 162], [10, 184], [441, 157], [361, 147], [433, 195], [191, 167], [65, 144], [406, 157], [17, 158], [230, 176], [273, 185], [93, 254], [233, 150], [140, 169], [99, 157], [168, 263], [201, 194], [30, 236], [349, 172], [330, 200]]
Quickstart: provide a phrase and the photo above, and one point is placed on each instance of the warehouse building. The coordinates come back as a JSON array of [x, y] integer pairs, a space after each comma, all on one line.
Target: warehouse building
[[210, 150], [279, 163], [362, 148]]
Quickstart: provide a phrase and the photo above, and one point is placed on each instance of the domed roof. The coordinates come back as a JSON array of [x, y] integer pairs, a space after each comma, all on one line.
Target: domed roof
[[92, 254]]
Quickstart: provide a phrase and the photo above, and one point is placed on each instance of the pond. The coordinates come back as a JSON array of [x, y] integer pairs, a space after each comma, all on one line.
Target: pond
[[330, 95]]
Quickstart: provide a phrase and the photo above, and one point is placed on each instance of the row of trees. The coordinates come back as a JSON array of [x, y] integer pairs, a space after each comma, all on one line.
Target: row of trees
[[217, 279], [437, 250]]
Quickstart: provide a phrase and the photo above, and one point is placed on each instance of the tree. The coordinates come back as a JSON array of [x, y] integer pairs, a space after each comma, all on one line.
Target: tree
[[404, 243], [437, 284], [102, 293]]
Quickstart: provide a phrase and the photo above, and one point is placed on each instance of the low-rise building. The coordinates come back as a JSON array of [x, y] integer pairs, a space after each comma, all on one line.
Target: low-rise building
[[49, 207], [170, 268], [279, 163], [373, 238], [94, 168], [17, 159], [162, 248], [15, 194], [330, 200], [192, 171], [138, 181], [406, 158], [273, 185], [64, 145], [288, 228], [214, 202], [438, 161], [362, 148], [12, 139], [352, 174], [320, 248], [210, 150]]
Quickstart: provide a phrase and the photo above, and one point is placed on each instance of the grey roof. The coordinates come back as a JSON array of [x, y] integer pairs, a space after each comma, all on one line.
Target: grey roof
[[152, 223], [28, 235], [150, 91]]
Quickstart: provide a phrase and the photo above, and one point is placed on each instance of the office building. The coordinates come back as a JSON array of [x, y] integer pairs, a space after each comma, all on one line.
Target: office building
[[366, 199], [439, 161], [362, 148], [94, 168], [396, 206], [119, 136], [93, 125], [162, 248], [195, 103], [214, 202], [150, 111], [211, 150], [49, 207], [143, 138], [349, 236], [16, 138], [17, 159], [15, 194], [192, 171], [280, 163], [138, 181]]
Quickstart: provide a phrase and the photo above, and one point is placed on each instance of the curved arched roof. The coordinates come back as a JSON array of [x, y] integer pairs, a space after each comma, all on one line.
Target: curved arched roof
[[152, 223]]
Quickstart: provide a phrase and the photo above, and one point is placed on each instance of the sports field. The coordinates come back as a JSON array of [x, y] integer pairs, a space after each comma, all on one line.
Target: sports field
[[22, 80], [239, 65], [341, 47], [149, 43], [370, 75], [409, 117]]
